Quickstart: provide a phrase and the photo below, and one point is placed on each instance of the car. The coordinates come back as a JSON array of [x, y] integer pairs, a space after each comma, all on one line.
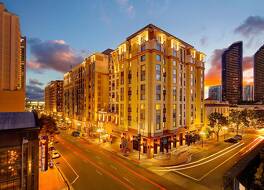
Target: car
[[238, 137], [52, 148], [76, 133], [57, 132], [55, 154], [231, 140], [63, 128]]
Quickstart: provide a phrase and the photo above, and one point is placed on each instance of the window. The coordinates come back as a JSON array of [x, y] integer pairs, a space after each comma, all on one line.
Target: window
[[174, 92], [142, 72], [143, 58], [142, 112], [180, 94], [122, 78], [158, 117], [174, 63], [174, 115], [142, 92], [158, 46], [174, 75], [174, 52], [180, 114], [158, 57], [143, 47], [158, 92], [158, 72], [121, 94]]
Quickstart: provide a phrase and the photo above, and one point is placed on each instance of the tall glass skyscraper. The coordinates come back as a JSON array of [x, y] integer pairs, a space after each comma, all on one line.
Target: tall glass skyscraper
[[259, 75], [232, 73]]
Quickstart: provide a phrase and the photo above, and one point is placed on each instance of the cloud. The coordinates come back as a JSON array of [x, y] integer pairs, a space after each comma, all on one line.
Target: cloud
[[213, 76], [252, 26], [34, 92], [35, 82], [52, 55], [247, 63], [127, 7], [203, 40]]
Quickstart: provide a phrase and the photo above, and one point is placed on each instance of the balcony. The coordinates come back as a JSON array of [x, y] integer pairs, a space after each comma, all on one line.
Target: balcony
[[151, 44]]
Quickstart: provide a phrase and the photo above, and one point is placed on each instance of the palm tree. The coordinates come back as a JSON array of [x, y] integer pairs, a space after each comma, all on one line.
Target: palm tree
[[217, 122]]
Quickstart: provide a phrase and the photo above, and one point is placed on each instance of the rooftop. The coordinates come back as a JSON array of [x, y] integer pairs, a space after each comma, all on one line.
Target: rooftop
[[17, 120]]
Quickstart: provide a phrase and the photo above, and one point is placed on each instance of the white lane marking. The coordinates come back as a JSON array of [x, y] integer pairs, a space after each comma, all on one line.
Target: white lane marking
[[99, 172], [128, 180], [204, 158], [195, 165], [209, 159], [205, 175], [112, 166], [77, 176]]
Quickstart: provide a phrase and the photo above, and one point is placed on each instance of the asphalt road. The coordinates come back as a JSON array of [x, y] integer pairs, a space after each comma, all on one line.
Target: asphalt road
[[207, 173], [87, 166]]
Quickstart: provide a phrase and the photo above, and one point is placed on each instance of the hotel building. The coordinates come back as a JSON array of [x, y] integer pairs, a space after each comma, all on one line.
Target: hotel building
[[259, 75], [232, 74], [86, 92], [12, 63], [54, 97], [156, 89]]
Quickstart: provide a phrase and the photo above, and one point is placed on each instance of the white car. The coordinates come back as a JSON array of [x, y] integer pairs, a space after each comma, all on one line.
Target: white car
[[55, 155]]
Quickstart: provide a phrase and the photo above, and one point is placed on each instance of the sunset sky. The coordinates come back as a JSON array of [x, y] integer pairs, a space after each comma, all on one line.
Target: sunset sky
[[60, 33]]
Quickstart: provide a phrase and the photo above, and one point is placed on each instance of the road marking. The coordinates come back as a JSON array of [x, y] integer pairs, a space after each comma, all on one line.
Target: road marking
[[112, 166], [202, 163], [98, 172], [205, 175], [178, 166], [77, 176], [128, 180], [98, 157]]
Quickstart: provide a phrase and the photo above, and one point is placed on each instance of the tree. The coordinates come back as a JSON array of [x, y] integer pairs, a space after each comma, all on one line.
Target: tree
[[235, 118], [217, 121], [47, 125]]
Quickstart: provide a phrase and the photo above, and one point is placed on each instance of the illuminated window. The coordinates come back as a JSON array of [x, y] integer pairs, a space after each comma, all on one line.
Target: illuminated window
[[142, 72], [174, 75], [158, 117], [142, 91]]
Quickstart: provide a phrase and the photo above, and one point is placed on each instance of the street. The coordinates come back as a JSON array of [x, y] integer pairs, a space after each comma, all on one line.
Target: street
[[207, 172], [87, 166]]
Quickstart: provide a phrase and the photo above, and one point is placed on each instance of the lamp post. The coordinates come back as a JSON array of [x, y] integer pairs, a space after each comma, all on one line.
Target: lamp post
[[225, 129], [202, 133], [24, 141]]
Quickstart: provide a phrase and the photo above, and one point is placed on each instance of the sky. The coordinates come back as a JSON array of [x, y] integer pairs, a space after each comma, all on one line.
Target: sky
[[60, 33]]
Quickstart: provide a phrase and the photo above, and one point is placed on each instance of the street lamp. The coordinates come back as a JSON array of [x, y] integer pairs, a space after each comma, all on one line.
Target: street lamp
[[225, 129], [202, 133]]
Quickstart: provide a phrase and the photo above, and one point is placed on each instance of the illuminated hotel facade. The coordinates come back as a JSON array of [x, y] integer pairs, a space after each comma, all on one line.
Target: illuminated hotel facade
[[86, 91], [12, 63], [54, 97], [156, 89]]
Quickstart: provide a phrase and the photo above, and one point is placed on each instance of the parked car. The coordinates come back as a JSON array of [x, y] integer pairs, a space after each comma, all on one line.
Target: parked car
[[63, 128], [238, 137], [76, 133], [231, 140], [55, 154], [52, 148]]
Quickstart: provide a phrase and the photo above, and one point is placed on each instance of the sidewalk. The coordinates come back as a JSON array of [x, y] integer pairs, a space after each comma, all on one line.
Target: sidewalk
[[51, 180], [180, 155]]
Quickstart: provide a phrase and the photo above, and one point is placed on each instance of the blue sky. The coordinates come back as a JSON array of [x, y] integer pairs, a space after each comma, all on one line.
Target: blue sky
[[80, 27]]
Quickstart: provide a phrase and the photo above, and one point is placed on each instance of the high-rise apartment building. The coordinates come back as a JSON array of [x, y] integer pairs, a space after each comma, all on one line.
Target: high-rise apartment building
[[23, 54], [215, 92], [248, 93], [156, 89], [12, 75], [54, 97], [232, 75], [86, 91], [259, 75]]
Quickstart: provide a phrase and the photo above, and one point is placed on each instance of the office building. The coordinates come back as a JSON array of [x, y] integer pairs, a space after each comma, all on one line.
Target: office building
[[19, 148], [232, 76], [156, 89], [248, 93], [12, 72], [259, 75], [86, 92], [54, 97], [215, 92]]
